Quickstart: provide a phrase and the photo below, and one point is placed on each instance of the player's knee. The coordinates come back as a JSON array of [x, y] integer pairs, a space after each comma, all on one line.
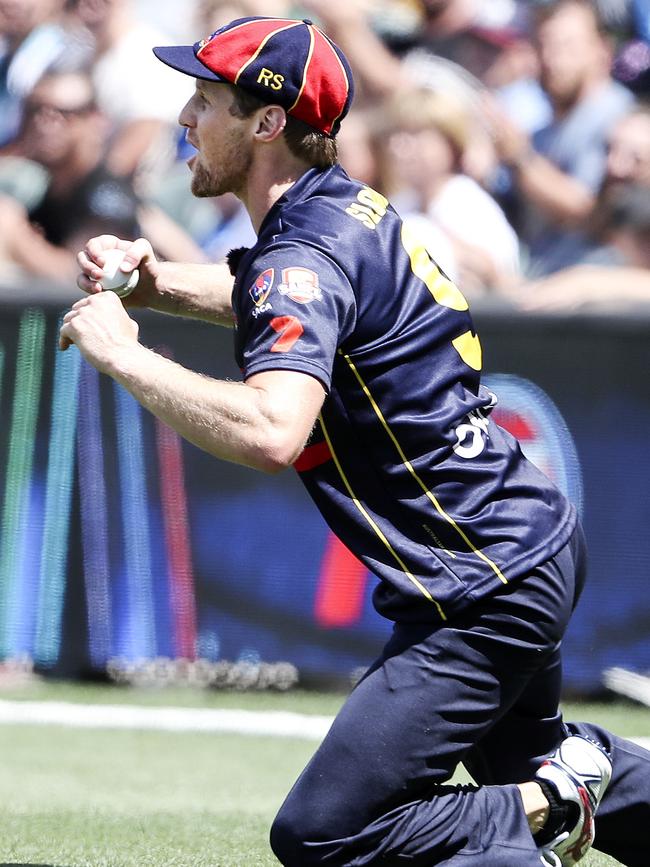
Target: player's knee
[[289, 841], [285, 842]]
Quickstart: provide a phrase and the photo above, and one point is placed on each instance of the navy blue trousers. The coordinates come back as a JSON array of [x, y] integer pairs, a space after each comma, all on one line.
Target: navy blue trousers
[[482, 690]]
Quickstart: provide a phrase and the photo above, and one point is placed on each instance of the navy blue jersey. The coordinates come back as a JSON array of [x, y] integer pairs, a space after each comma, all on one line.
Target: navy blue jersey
[[404, 463]]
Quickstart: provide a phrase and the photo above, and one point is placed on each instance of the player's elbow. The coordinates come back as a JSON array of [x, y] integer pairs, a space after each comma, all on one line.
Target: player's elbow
[[272, 462], [279, 451]]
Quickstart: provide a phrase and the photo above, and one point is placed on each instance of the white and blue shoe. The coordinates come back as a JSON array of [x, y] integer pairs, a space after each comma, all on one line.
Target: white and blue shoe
[[579, 772]]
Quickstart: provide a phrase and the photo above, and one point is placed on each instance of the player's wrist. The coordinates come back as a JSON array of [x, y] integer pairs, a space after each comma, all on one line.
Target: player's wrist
[[125, 362], [150, 292]]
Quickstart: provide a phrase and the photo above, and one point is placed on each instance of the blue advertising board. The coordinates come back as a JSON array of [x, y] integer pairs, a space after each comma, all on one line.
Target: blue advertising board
[[118, 541]]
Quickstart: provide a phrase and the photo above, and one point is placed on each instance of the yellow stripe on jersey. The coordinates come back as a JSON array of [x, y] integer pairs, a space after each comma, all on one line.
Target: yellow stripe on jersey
[[374, 525], [411, 470]]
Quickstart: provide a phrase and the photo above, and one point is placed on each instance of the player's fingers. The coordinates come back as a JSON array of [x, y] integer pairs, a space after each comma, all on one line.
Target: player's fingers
[[65, 341], [96, 247], [88, 265], [97, 301], [91, 274], [92, 287], [82, 302], [137, 251], [70, 315]]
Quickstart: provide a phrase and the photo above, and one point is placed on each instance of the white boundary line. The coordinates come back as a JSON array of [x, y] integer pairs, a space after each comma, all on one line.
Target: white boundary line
[[174, 719]]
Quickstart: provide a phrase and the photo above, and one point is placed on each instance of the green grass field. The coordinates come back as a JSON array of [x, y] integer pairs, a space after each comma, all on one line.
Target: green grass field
[[109, 798]]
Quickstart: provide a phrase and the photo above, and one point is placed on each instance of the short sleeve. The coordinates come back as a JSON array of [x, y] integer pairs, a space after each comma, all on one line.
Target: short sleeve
[[294, 307]]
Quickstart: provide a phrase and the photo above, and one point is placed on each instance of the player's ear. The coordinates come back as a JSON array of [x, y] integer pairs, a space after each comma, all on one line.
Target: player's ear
[[272, 120]]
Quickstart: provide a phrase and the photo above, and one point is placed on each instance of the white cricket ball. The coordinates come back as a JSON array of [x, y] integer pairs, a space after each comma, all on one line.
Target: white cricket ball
[[113, 278]]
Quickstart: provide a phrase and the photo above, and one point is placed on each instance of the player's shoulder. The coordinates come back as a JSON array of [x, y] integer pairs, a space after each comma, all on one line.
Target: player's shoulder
[[339, 216], [343, 199], [289, 261], [328, 225]]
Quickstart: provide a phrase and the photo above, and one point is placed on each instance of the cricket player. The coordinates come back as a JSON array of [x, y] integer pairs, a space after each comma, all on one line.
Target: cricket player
[[361, 369]]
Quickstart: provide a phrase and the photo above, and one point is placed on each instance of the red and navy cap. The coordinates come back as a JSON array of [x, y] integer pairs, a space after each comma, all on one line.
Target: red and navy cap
[[282, 61]]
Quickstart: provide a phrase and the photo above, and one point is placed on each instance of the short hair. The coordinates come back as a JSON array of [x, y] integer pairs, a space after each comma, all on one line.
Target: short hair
[[542, 13], [308, 144]]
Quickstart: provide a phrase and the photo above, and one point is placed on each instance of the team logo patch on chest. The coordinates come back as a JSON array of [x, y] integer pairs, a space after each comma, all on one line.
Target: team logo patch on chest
[[260, 289], [300, 284]]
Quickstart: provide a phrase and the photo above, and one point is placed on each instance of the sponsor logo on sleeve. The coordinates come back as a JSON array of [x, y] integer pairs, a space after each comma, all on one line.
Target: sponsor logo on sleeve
[[262, 286], [260, 290], [300, 284]]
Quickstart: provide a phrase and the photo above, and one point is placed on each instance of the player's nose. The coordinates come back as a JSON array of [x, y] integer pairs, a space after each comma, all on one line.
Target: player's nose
[[186, 116]]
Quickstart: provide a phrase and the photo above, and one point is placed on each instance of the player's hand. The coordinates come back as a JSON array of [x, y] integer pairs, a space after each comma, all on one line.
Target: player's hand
[[138, 254], [101, 329]]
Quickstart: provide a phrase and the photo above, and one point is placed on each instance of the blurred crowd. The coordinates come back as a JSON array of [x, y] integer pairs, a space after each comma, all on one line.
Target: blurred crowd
[[514, 135]]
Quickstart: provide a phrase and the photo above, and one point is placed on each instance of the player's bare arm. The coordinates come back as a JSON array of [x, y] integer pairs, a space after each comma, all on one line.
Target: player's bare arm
[[200, 291], [262, 423]]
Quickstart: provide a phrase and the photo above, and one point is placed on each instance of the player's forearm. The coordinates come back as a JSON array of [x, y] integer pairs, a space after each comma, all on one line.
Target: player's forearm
[[229, 420], [197, 291]]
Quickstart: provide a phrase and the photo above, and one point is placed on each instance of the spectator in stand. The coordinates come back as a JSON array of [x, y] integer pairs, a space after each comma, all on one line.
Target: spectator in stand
[[63, 131], [512, 73], [614, 268], [138, 95], [558, 173], [33, 40], [357, 148], [625, 228], [628, 148], [425, 137], [631, 19], [491, 42], [222, 11], [487, 40], [620, 285]]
